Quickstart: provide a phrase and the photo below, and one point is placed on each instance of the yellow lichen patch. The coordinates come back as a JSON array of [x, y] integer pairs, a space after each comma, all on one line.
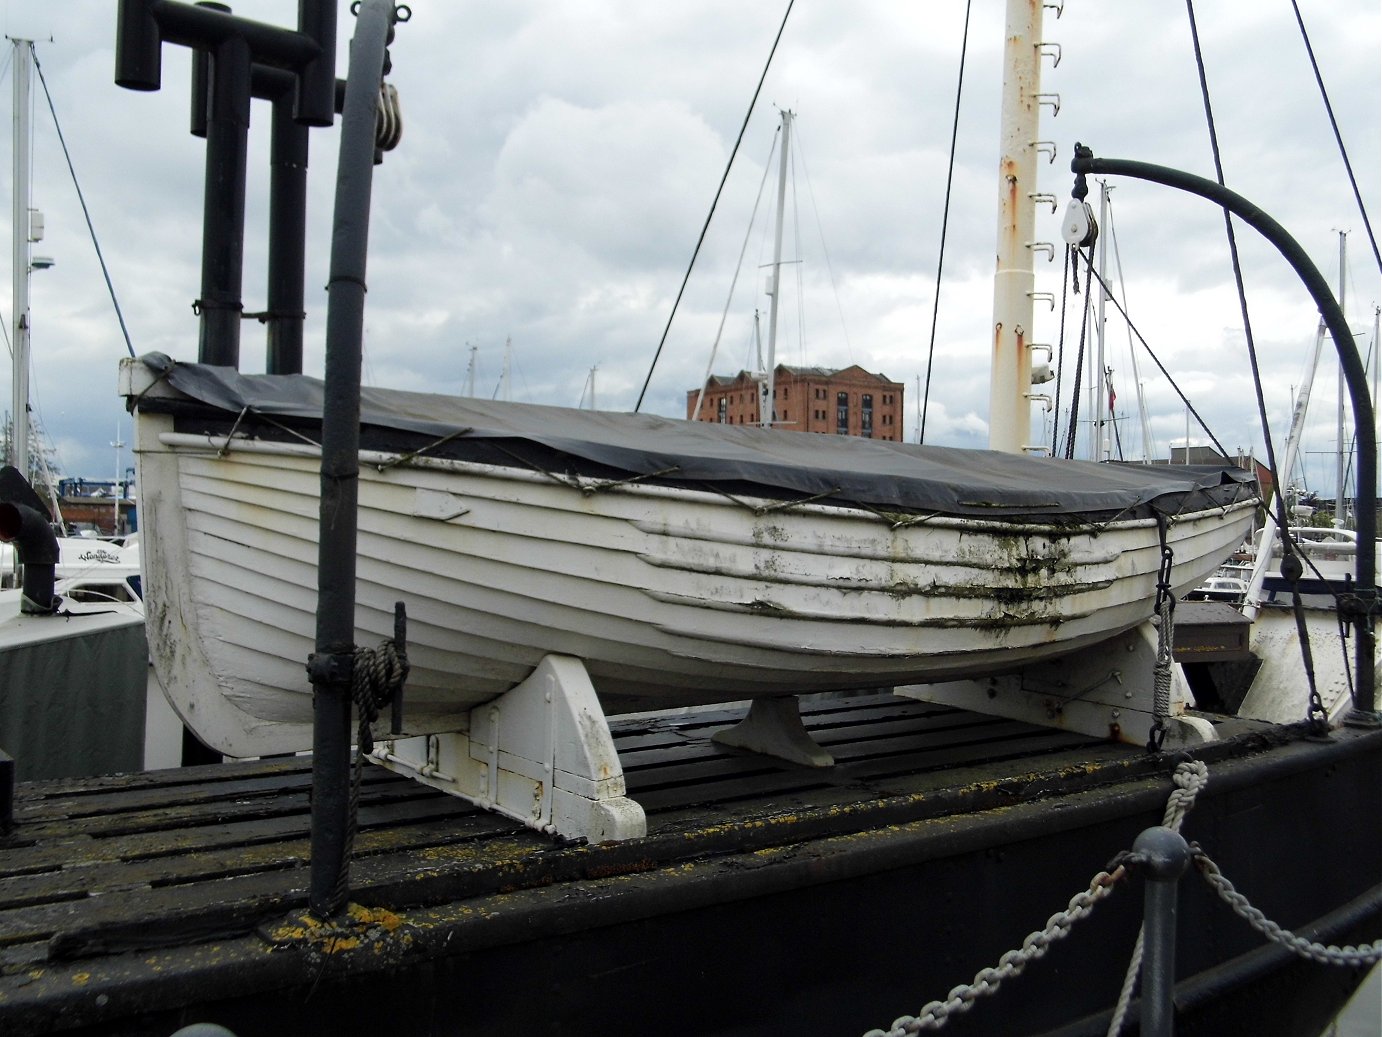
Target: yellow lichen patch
[[81, 979], [382, 917]]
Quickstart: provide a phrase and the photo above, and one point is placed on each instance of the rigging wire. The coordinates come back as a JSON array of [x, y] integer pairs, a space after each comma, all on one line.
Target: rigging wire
[[1155, 359], [945, 220], [1066, 266], [1079, 355], [1338, 137], [716, 201], [91, 229], [729, 299], [825, 251], [1237, 272]]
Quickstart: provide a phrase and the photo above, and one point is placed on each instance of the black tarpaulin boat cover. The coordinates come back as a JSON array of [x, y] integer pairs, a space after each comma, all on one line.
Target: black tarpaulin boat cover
[[840, 469]]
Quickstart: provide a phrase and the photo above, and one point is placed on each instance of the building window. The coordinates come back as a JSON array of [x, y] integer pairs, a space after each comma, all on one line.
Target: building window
[[724, 409], [866, 416], [842, 414]]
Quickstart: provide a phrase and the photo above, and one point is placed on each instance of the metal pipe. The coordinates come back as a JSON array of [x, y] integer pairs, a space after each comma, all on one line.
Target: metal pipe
[[332, 662], [36, 546], [20, 259], [287, 239], [1365, 710], [223, 218]]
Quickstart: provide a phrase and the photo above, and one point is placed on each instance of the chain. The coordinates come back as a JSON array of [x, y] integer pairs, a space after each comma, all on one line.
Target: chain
[[1325, 954], [1161, 673], [987, 981]]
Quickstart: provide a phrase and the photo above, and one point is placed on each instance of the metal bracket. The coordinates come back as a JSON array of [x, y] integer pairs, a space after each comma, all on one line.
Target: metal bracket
[[541, 753], [1105, 690]]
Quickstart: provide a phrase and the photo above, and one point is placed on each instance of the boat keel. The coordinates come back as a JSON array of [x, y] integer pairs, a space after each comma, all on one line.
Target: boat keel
[[541, 753], [774, 728], [1105, 690]]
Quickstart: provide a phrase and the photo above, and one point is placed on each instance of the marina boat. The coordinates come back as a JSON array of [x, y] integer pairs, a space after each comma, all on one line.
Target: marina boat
[[691, 869]]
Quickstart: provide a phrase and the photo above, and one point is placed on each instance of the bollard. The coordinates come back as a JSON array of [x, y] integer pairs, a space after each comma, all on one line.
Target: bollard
[[1165, 856]]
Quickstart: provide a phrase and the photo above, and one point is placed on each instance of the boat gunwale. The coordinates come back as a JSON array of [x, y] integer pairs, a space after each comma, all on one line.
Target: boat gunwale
[[220, 446]]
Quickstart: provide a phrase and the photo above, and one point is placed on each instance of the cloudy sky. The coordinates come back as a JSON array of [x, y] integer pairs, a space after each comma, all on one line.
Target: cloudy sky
[[560, 156]]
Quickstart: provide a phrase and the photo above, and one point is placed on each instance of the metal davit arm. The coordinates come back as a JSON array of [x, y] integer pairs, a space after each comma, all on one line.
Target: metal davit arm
[[1349, 361]]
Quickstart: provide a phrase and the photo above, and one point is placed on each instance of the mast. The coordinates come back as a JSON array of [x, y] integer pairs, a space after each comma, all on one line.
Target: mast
[[1341, 427], [1011, 375], [505, 390], [766, 389], [1103, 412], [20, 262], [1266, 541], [470, 372]]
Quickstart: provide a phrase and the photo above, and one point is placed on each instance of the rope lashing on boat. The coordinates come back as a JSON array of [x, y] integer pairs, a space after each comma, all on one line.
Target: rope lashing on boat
[[1165, 640], [1190, 777], [377, 679], [411, 455], [225, 447], [1326, 954]]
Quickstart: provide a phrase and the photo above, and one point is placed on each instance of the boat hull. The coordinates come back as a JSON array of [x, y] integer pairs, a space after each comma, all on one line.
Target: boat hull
[[671, 597]]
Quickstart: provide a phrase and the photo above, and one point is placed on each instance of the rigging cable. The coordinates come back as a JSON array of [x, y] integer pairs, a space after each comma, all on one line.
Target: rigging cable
[[1079, 357], [734, 281], [105, 272], [945, 220], [1237, 272], [1066, 267], [1338, 137], [716, 201], [1155, 359]]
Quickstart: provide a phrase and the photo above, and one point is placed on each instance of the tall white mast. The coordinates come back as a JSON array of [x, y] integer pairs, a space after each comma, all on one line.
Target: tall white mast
[[1011, 377], [505, 389], [19, 428], [1340, 511], [766, 402], [470, 372]]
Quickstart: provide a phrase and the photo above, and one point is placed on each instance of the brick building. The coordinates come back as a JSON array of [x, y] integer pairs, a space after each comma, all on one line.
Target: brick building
[[851, 401]]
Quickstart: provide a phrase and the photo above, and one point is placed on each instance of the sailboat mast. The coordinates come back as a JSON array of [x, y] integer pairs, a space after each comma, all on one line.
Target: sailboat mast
[[765, 408], [1340, 467], [1011, 376], [19, 224], [1103, 413]]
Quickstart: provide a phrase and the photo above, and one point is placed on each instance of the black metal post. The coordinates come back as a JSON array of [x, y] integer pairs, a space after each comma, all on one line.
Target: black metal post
[[1165, 856], [287, 238], [1355, 377], [223, 219], [332, 664]]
